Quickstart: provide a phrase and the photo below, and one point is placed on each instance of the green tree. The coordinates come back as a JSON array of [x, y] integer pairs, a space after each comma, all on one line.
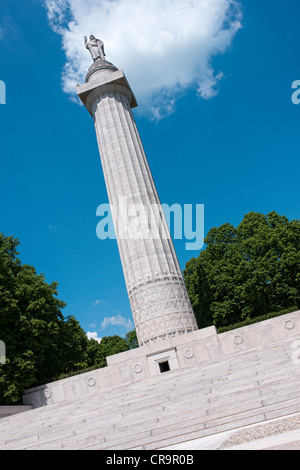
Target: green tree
[[108, 346], [40, 342], [247, 271], [131, 340], [93, 348]]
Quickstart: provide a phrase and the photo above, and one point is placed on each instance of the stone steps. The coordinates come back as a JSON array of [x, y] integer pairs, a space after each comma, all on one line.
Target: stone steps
[[144, 403], [216, 419], [245, 388], [180, 412]]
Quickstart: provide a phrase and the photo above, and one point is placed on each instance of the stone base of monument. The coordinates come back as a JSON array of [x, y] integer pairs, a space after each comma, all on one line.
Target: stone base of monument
[[169, 393], [171, 354], [137, 365]]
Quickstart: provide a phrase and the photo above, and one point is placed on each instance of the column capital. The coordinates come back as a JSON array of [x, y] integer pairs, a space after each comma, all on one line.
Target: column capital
[[101, 83]]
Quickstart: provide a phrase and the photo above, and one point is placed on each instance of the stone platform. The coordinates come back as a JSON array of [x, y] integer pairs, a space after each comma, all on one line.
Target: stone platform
[[173, 353], [217, 385]]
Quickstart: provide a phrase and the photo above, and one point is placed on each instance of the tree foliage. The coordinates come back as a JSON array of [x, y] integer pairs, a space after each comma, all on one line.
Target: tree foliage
[[247, 271], [41, 344], [109, 345], [131, 339]]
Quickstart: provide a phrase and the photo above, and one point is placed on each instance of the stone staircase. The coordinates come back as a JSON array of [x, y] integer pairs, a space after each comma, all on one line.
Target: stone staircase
[[244, 388]]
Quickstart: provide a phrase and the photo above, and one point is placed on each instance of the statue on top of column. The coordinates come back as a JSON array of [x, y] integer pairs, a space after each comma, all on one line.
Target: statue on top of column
[[96, 48]]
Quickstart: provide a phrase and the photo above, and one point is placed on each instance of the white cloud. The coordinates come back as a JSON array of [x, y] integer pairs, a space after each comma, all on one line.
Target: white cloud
[[98, 302], [117, 320], [57, 10], [58, 229], [163, 46], [93, 335]]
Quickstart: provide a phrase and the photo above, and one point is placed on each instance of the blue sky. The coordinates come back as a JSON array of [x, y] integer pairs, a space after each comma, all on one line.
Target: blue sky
[[235, 151]]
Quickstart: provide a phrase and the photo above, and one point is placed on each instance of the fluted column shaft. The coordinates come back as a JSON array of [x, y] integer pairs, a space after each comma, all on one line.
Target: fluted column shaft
[[157, 293]]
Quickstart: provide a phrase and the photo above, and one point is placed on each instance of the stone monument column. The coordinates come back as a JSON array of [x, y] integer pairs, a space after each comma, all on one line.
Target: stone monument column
[[158, 297]]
